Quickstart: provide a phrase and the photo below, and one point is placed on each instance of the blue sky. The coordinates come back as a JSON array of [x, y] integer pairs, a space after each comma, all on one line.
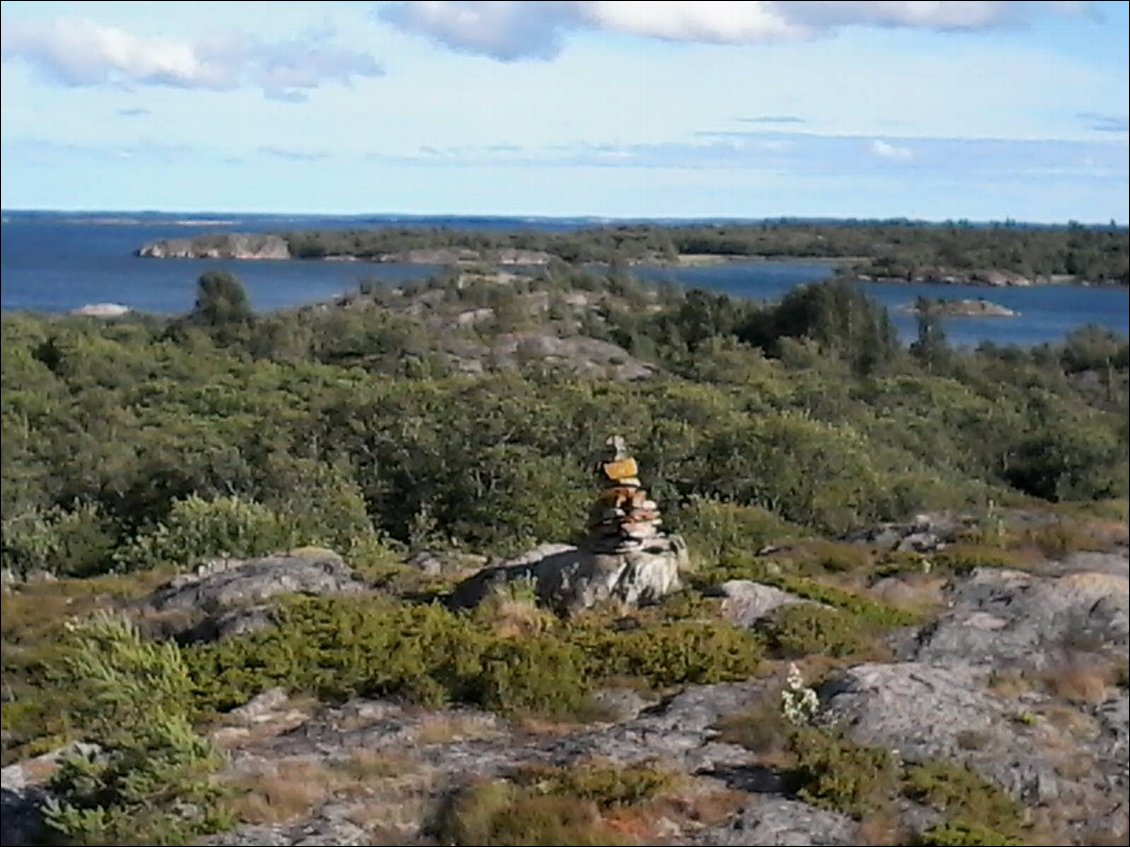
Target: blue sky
[[934, 110]]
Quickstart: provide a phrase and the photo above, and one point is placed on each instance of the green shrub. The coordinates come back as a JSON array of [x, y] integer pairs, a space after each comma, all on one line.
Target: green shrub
[[197, 528], [74, 542], [668, 654], [609, 786], [835, 773], [539, 674], [149, 781], [974, 807], [344, 647], [965, 834], [715, 529], [499, 814], [802, 629]]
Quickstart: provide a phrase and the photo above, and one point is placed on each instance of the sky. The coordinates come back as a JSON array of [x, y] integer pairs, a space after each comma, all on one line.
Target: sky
[[924, 110]]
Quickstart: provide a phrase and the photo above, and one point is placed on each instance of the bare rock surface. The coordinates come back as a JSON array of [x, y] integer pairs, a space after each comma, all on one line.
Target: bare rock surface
[[745, 602], [228, 597], [781, 822], [237, 582], [1015, 619]]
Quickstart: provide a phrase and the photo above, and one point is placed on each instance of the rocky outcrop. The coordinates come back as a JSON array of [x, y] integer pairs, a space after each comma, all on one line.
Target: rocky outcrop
[[226, 597], [777, 822], [625, 558], [1014, 619], [1040, 753], [219, 246]]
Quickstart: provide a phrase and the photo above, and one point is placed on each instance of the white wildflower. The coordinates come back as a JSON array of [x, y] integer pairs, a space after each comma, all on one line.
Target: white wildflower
[[799, 703]]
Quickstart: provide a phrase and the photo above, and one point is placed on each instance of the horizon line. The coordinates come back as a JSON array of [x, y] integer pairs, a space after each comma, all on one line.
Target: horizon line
[[1009, 221]]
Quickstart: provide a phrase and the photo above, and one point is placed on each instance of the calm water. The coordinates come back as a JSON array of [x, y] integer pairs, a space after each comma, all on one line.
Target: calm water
[[57, 262]]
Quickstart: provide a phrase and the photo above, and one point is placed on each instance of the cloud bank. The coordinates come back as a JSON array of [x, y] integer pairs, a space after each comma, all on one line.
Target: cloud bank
[[81, 53], [510, 30]]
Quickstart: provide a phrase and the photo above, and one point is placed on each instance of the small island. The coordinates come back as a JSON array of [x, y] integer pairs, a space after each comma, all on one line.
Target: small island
[[966, 308]]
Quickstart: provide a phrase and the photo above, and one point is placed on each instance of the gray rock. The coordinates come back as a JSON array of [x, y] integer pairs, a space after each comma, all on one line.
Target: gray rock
[[746, 602], [572, 579], [218, 246], [924, 711], [442, 563], [244, 582], [1013, 619], [775, 821], [22, 794]]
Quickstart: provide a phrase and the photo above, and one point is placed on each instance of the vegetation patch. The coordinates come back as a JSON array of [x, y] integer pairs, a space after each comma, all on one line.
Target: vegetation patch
[[833, 772], [976, 809], [150, 780], [802, 629]]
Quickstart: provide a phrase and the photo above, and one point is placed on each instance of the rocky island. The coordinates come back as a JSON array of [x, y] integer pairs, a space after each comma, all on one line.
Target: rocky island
[[964, 308]]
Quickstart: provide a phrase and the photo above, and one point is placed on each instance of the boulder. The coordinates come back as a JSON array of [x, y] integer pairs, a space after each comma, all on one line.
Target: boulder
[[444, 562], [746, 602], [570, 579], [227, 597], [228, 583]]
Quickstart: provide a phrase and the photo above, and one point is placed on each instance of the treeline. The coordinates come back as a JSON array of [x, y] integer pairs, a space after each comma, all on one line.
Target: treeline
[[889, 249], [129, 442]]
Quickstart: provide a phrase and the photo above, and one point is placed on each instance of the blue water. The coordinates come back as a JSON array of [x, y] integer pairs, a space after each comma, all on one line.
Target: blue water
[[57, 262]]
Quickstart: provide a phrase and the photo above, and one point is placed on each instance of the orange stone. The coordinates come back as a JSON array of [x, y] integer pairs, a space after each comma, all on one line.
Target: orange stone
[[622, 470]]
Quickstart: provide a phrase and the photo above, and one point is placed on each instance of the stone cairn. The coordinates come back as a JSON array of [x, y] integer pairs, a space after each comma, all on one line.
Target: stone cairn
[[624, 518]]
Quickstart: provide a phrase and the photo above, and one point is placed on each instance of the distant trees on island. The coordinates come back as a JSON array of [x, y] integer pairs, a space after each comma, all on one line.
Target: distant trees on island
[[890, 249]]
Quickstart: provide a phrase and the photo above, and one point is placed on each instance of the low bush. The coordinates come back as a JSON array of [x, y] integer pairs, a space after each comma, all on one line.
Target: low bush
[[803, 629], [197, 528], [669, 654], [149, 779], [608, 785], [976, 810], [496, 813], [835, 773]]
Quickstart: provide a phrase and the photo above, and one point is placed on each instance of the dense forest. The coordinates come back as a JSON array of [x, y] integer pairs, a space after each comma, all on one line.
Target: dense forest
[[392, 418], [894, 249]]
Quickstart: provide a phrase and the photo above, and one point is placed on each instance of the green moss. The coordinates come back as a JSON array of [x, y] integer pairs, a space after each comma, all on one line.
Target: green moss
[[963, 558]]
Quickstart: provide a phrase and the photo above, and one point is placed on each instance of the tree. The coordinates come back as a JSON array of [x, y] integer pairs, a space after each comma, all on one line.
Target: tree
[[221, 300], [931, 348]]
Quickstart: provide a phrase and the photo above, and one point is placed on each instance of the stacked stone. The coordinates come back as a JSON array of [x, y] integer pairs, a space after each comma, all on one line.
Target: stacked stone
[[624, 517]]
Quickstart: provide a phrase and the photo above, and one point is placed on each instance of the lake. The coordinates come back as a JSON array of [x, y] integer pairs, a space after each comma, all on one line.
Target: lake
[[57, 262]]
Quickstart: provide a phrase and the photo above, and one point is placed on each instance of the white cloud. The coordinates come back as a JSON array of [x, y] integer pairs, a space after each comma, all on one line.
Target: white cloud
[[509, 30], [885, 150], [82, 53]]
